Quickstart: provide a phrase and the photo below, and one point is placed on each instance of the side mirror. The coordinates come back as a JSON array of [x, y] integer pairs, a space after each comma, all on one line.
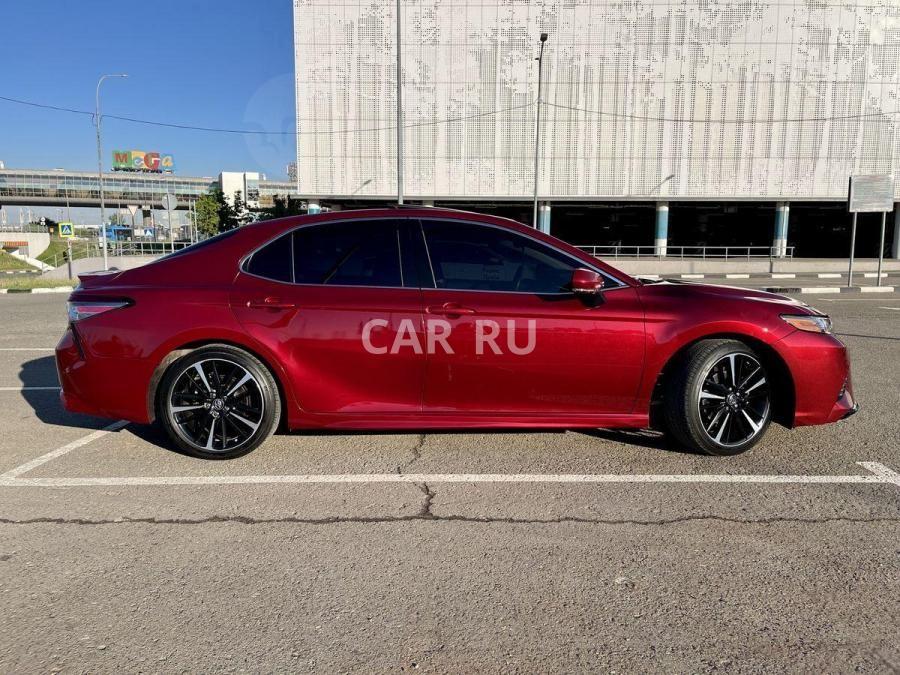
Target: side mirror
[[586, 282]]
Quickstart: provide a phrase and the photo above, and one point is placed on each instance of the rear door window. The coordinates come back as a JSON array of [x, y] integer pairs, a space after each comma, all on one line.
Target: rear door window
[[353, 253]]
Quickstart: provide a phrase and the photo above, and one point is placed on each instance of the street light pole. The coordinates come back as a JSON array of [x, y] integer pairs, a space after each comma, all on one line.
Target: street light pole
[[97, 121], [399, 113], [537, 132]]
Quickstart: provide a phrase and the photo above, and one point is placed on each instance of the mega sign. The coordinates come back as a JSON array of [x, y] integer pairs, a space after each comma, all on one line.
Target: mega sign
[[138, 160]]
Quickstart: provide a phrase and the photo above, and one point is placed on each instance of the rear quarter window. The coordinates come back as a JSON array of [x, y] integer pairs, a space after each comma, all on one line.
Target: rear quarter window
[[273, 261]]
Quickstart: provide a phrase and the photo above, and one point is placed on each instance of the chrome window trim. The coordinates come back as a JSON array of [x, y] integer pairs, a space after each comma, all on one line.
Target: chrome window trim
[[244, 259], [242, 262]]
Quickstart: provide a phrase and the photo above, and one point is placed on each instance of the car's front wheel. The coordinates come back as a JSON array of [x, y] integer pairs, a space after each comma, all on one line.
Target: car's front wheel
[[218, 402], [718, 400]]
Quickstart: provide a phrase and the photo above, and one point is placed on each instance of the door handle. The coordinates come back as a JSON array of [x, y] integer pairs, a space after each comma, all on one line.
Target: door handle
[[270, 302], [449, 309]]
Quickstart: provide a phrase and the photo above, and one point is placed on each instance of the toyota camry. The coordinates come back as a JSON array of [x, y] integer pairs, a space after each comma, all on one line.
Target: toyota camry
[[424, 318]]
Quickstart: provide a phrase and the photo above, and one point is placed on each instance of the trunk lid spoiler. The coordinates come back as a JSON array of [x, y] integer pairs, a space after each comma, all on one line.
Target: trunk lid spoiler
[[97, 278]]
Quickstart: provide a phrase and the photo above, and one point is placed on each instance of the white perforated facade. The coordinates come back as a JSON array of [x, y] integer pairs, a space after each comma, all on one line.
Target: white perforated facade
[[715, 99]]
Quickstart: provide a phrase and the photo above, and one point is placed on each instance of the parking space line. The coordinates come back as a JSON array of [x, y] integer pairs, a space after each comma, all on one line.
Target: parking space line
[[27, 349], [879, 474], [881, 470], [59, 452]]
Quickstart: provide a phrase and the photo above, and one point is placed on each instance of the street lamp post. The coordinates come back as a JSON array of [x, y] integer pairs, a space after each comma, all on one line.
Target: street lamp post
[[537, 132], [97, 121], [399, 112]]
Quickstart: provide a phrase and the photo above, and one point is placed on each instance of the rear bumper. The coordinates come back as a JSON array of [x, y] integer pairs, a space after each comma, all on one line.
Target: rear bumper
[[820, 369], [103, 387]]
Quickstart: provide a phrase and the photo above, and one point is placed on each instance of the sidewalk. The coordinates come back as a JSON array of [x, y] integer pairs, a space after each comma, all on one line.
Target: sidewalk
[[776, 268]]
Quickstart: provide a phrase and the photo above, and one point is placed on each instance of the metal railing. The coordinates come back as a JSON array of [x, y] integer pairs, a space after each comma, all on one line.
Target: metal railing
[[92, 248], [690, 252], [30, 227], [145, 247]]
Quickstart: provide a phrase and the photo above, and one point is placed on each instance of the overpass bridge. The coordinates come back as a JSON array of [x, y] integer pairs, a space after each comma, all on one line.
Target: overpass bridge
[[28, 187]]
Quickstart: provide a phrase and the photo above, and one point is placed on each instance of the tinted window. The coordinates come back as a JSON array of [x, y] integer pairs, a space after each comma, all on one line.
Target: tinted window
[[477, 257], [362, 253], [273, 261]]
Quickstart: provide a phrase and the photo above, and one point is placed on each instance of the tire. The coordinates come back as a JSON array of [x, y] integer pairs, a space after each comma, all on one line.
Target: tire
[[719, 399], [218, 402]]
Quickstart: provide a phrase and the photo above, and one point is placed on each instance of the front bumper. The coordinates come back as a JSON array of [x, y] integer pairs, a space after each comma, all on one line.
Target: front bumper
[[820, 370]]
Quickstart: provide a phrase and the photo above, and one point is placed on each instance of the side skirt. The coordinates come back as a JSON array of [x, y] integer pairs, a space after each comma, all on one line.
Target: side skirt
[[458, 421]]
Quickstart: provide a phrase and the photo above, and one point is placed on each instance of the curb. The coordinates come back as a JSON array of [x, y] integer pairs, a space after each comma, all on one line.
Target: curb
[[54, 289], [830, 289], [776, 275]]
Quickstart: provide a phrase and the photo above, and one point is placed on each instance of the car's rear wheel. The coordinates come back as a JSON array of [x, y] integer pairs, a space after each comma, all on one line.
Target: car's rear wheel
[[218, 402], [718, 400]]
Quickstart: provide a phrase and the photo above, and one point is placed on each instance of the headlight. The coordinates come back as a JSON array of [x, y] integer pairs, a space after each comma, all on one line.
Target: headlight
[[809, 323]]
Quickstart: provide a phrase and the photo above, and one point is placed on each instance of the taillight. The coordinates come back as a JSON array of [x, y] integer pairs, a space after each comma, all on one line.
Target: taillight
[[84, 309]]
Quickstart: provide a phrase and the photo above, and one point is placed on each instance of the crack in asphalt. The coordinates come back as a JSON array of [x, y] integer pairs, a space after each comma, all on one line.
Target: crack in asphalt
[[425, 511], [416, 452], [425, 514]]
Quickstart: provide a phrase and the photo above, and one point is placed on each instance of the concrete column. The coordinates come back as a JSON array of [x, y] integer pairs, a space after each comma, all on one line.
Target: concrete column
[[779, 242], [544, 217], [661, 240], [895, 247], [313, 207]]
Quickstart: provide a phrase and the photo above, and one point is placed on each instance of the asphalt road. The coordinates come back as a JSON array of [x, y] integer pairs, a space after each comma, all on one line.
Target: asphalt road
[[447, 572]]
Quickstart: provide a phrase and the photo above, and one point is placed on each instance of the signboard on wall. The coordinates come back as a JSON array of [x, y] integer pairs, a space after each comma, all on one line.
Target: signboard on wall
[[871, 194], [141, 160]]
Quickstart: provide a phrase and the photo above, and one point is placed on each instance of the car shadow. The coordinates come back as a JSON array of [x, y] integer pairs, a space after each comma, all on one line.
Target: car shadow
[[41, 372], [645, 438], [155, 435]]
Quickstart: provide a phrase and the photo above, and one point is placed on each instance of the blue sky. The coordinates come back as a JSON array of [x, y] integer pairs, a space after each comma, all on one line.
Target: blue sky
[[213, 63]]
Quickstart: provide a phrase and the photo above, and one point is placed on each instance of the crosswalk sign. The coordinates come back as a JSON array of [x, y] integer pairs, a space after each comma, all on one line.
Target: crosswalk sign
[[66, 230]]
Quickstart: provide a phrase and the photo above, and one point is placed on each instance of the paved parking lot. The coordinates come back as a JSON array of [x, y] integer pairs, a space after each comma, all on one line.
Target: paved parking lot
[[554, 551]]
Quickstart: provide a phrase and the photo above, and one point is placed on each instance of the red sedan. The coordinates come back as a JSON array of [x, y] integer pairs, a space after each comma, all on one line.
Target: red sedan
[[435, 319]]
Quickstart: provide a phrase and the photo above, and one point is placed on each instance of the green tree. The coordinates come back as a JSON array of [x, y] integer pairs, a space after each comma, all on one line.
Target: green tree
[[239, 207], [228, 219], [206, 215], [281, 208]]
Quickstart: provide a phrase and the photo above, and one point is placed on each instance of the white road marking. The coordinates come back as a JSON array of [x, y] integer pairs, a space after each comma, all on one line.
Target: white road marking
[[896, 309], [26, 349], [880, 474], [737, 276], [12, 474], [854, 298], [29, 388], [881, 470], [876, 289], [829, 275], [784, 275]]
